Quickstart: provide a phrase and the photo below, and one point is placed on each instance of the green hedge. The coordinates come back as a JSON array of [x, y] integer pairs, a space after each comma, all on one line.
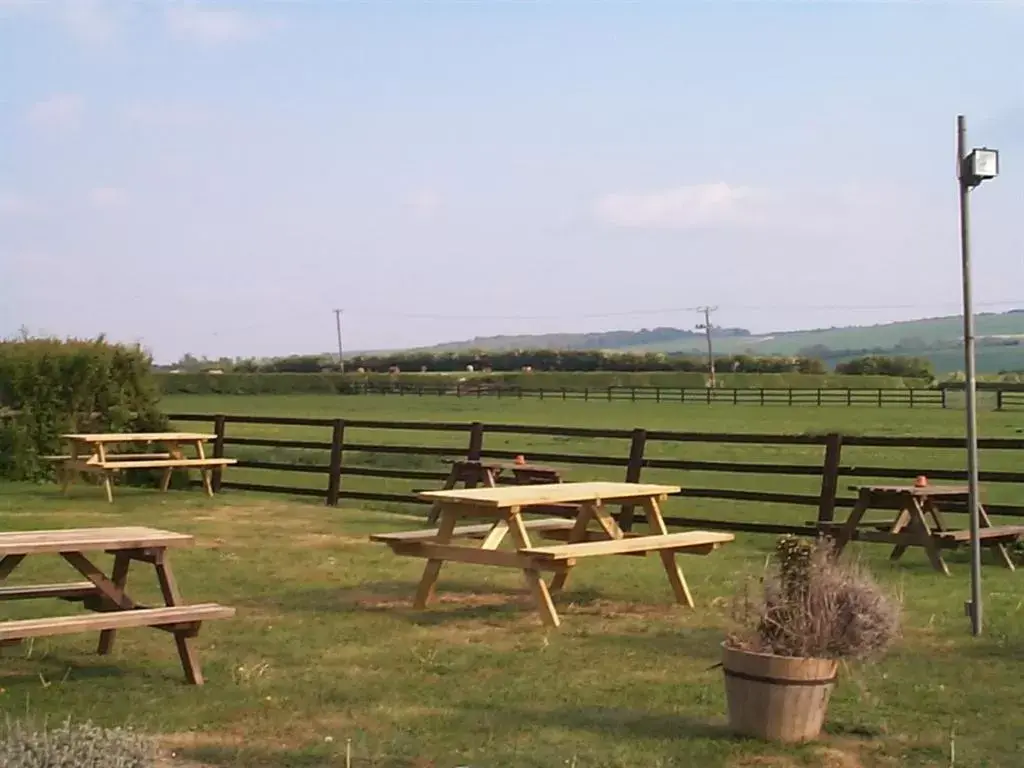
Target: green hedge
[[334, 383], [52, 386]]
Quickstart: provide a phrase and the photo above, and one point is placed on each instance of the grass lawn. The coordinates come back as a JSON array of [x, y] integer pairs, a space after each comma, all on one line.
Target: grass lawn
[[325, 649]]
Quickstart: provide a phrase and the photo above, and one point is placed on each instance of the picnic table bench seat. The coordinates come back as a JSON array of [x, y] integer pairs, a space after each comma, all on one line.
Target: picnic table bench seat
[[686, 541], [470, 531], [178, 618], [167, 463], [77, 590], [1003, 532]]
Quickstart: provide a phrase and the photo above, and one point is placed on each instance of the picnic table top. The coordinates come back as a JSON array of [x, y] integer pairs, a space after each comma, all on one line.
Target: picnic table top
[[83, 539], [134, 437], [507, 496], [915, 490]]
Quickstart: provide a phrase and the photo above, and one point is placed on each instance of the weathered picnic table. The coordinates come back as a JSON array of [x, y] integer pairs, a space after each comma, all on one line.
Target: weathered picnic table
[[474, 472], [918, 522], [504, 506], [89, 454], [104, 593]]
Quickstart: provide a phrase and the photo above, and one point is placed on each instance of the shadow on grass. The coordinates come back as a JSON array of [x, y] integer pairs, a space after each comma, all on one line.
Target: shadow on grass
[[315, 757], [686, 642], [454, 599], [621, 722], [55, 670]]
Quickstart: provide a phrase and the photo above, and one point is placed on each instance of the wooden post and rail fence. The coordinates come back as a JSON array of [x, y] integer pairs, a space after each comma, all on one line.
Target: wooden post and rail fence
[[830, 469], [942, 397]]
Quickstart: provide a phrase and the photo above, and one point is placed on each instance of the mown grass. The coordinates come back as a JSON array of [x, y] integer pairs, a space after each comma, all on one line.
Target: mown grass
[[325, 649]]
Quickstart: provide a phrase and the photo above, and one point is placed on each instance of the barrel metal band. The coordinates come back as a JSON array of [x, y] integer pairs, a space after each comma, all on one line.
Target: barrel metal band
[[776, 681]]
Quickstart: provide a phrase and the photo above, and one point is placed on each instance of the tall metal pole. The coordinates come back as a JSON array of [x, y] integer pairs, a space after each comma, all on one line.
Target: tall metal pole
[[974, 607], [337, 320]]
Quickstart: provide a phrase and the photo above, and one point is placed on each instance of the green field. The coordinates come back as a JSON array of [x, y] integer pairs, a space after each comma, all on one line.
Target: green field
[[624, 415], [325, 648]]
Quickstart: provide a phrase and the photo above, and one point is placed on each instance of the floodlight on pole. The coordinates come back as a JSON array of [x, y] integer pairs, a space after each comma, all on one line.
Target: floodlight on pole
[[972, 168]]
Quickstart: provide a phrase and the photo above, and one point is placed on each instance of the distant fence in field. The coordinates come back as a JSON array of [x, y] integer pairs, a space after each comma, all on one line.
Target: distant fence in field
[[879, 398], [831, 469]]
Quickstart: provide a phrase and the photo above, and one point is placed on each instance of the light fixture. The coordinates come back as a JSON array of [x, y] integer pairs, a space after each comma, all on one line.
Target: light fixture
[[979, 165]]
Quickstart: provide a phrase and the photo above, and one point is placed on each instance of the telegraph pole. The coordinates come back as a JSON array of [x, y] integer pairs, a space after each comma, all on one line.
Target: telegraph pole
[[707, 327], [337, 321]]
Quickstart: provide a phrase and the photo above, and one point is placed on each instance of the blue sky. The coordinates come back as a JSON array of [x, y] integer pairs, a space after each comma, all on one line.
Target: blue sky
[[216, 177]]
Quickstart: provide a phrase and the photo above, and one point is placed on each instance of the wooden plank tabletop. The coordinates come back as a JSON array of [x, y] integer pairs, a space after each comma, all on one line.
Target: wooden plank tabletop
[[135, 437], [548, 493], [915, 490], [85, 539]]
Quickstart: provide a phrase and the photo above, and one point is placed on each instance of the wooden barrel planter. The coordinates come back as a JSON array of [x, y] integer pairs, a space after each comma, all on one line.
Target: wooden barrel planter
[[777, 698]]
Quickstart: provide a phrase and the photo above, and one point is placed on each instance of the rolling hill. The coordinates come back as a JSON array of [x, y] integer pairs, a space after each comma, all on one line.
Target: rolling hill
[[1000, 340]]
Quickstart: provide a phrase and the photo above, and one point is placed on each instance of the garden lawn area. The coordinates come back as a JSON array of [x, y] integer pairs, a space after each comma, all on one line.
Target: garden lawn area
[[326, 650]]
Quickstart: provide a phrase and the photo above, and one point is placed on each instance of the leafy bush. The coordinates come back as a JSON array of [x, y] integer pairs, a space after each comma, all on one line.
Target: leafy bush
[[814, 606], [883, 365], [74, 746], [52, 386]]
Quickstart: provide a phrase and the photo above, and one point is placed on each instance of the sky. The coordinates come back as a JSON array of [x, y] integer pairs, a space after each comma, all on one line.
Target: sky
[[216, 178]]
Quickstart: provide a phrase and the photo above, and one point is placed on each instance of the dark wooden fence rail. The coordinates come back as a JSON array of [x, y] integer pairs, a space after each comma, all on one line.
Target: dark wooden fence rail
[[880, 398], [831, 470]]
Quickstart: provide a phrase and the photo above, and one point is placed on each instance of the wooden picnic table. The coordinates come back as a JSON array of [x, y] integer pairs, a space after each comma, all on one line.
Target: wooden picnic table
[[105, 593], [918, 522], [474, 472], [504, 506], [90, 454]]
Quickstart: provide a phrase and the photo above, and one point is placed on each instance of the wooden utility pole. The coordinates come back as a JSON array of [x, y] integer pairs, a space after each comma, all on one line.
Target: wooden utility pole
[[707, 327], [337, 321]]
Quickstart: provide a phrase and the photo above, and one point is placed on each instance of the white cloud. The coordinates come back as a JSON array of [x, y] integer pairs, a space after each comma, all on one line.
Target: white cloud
[[212, 26], [61, 111], [686, 207], [164, 114], [106, 198], [16, 206], [90, 21], [424, 204]]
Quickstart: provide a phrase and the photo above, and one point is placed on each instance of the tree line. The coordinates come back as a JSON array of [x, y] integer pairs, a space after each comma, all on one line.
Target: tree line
[[563, 361]]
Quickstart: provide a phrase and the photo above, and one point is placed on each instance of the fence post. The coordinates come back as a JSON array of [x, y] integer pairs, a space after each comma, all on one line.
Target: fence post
[[708, 394], [657, 394], [633, 393], [563, 393], [790, 396], [849, 396], [633, 469], [879, 397], [999, 399], [911, 391], [830, 478], [735, 395], [476, 441], [762, 395], [334, 474], [586, 394], [819, 397], [219, 423], [682, 395], [943, 393]]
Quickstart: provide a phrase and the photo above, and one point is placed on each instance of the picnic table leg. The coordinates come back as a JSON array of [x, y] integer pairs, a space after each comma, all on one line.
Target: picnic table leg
[[920, 531], [849, 528], [901, 522], [101, 454], [577, 533], [435, 509], [425, 590], [999, 547], [120, 579], [204, 471], [7, 564], [169, 588], [668, 559], [534, 580]]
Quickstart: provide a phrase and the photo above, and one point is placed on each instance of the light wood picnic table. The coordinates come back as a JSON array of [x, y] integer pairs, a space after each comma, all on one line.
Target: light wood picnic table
[[918, 522], [89, 454], [105, 593], [504, 508]]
